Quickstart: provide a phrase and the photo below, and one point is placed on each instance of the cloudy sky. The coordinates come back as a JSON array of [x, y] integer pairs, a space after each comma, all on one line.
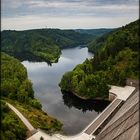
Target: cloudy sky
[[67, 14]]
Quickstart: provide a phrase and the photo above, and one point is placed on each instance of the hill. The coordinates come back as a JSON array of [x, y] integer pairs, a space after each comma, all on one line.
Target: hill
[[17, 89], [44, 44], [97, 43], [95, 32], [115, 60]]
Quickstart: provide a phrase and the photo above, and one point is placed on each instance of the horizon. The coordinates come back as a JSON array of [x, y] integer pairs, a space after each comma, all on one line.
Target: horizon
[[59, 29], [67, 14]]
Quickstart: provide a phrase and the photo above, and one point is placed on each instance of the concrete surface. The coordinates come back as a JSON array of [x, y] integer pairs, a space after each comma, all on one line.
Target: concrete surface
[[122, 92]]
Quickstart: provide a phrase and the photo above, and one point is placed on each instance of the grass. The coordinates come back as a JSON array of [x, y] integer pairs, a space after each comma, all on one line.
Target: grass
[[38, 118]]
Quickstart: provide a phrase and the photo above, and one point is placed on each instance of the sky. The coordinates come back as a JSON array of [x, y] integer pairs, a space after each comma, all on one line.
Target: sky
[[67, 14]]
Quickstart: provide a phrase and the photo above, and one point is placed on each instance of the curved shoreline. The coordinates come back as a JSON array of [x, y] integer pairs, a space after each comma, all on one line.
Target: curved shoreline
[[88, 98]]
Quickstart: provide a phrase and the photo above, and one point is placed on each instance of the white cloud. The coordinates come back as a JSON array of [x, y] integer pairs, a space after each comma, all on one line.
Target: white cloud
[[31, 22], [23, 14], [82, 5], [52, 4]]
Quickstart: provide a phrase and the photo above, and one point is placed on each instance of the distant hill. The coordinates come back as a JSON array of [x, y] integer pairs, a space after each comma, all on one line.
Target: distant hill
[[96, 43], [95, 32], [116, 59], [45, 44]]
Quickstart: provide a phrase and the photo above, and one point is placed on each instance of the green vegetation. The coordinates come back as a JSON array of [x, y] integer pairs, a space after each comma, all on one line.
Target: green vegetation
[[45, 44], [115, 60], [37, 117], [84, 83], [42, 43], [14, 82], [17, 89], [97, 43], [95, 32], [11, 127]]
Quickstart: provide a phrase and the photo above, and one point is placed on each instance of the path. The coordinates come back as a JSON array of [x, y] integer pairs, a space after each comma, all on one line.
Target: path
[[23, 119]]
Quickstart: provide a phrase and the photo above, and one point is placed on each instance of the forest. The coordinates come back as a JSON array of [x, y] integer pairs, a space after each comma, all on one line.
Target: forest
[[45, 44], [116, 58], [17, 90]]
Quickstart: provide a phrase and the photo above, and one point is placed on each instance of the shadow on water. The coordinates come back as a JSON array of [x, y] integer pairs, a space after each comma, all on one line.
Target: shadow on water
[[71, 100], [28, 56]]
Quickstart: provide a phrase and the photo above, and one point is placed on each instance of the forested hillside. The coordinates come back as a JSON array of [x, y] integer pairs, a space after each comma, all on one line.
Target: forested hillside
[[97, 43], [116, 59], [17, 89], [45, 44], [42, 43], [95, 32], [14, 82]]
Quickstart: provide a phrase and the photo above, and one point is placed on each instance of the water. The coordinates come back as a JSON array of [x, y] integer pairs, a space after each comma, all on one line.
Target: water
[[74, 113]]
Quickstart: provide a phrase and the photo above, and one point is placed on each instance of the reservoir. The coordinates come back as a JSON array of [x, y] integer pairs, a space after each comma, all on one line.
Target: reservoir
[[74, 113]]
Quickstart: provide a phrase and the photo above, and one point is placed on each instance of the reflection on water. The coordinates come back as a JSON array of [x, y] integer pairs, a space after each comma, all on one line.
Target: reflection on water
[[23, 56], [72, 112], [85, 105]]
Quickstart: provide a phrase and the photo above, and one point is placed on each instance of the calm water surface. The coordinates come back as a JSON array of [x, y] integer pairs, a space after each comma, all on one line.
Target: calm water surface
[[75, 114]]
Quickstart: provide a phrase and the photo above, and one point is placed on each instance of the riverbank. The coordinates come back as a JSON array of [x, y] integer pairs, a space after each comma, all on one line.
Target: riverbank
[[17, 89], [45, 79], [88, 98], [37, 117]]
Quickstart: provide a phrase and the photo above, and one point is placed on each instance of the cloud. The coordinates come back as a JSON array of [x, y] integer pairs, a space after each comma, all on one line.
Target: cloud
[[65, 7], [32, 22], [72, 9]]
